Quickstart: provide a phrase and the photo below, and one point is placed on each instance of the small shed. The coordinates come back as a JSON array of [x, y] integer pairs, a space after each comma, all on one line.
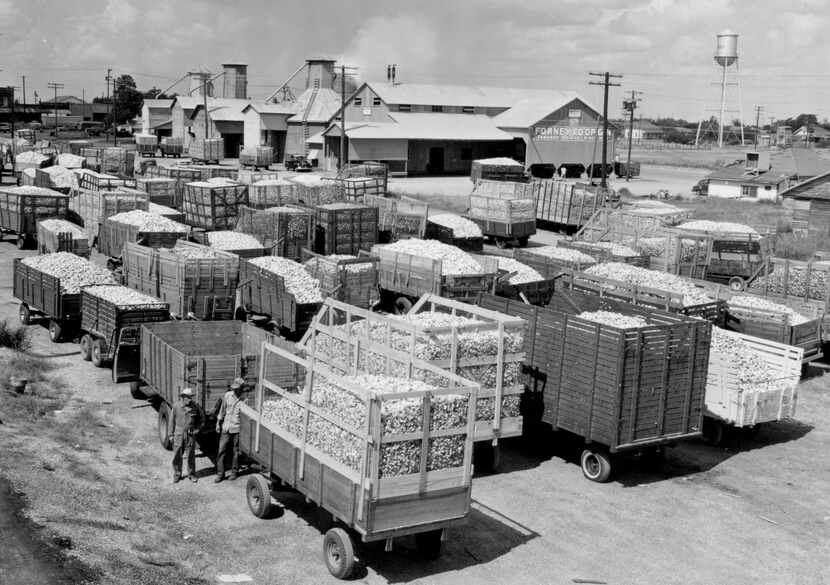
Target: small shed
[[810, 202]]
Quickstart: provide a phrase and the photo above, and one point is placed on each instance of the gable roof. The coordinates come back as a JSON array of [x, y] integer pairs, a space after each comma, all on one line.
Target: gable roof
[[458, 95], [64, 99], [223, 110], [803, 162], [528, 111], [817, 187], [736, 174], [263, 108]]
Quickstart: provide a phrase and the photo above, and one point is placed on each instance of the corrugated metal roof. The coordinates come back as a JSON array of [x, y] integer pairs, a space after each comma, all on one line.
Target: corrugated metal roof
[[285, 108], [529, 111], [325, 105], [739, 175], [223, 110], [815, 188], [158, 104], [430, 127], [458, 95]]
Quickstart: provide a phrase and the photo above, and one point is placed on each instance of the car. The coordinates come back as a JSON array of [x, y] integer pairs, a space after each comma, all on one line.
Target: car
[[298, 163], [123, 131]]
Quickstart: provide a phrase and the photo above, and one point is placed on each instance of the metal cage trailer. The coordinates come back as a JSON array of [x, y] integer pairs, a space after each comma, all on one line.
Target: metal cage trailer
[[351, 280], [22, 207], [399, 218], [732, 401], [203, 355], [367, 495], [622, 390], [111, 330]]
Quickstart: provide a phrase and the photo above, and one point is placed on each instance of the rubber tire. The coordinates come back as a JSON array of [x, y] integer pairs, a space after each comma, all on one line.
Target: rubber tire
[[596, 465], [713, 432], [737, 284], [258, 495], [338, 553], [24, 314], [86, 347], [97, 352], [21, 242], [402, 305], [501, 244], [429, 544], [136, 392], [111, 265], [164, 427], [55, 331]]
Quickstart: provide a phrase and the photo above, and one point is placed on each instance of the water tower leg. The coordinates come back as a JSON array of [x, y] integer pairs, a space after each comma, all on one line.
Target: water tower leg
[[722, 106]]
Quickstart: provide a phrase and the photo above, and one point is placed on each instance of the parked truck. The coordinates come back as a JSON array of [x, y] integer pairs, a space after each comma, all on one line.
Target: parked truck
[[111, 319], [22, 207]]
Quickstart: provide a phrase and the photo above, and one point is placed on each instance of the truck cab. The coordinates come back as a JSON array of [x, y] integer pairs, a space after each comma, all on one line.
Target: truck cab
[[701, 187]]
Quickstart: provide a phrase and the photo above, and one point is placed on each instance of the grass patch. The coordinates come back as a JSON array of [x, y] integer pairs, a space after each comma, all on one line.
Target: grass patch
[[42, 395], [14, 337]]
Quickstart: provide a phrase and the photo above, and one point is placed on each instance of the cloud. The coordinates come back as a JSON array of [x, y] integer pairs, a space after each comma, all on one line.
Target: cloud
[[408, 40]]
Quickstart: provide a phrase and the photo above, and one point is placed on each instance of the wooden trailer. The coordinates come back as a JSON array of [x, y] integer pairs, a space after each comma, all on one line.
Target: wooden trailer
[[284, 430], [622, 390], [22, 207]]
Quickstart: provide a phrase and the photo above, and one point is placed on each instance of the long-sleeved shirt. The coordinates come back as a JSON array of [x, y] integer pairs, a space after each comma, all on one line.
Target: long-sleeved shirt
[[229, 412], [187, 418]]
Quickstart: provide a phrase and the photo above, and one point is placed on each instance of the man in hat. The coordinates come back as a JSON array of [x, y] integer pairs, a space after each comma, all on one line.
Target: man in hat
[[227, 425], [186, 422]]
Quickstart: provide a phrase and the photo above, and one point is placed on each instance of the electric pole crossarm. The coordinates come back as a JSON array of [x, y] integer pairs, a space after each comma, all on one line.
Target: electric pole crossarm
[[606, 82], [56, 87]]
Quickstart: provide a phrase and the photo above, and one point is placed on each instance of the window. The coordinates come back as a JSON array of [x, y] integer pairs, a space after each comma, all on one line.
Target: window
[[468, 110], [376, 101], [404, 108], [358, 101], [437, 108], [749, 191], [767, 187], [466, 154]]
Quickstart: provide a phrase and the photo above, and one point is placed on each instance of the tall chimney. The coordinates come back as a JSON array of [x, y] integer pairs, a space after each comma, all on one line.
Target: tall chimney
[[235, 80]]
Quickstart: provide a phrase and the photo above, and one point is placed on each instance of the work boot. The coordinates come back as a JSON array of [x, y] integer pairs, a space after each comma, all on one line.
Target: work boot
[[232, 476], [177, 478], [193, 478], [219, 478]]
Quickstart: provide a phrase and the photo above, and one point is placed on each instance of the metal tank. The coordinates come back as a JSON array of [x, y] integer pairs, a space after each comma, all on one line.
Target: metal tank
[[727, 49]]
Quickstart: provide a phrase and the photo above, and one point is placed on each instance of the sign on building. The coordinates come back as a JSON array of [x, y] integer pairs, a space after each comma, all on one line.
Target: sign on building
[[564, 133]]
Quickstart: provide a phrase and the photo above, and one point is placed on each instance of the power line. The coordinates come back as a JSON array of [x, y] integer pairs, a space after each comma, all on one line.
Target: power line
[[56, 87], [607, 83]]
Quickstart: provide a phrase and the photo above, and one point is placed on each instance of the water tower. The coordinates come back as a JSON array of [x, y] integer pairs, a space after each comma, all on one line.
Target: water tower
[[726, 57]]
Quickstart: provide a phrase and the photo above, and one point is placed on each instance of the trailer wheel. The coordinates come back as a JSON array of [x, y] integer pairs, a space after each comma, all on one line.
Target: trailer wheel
[[501, 243], [428, 544], [402, 305], [86, 347], [135, 391], [338, 553], [596, 465], [21, 242], [97, 352], [24, 314], [164, 427], [258, 494], [111, 265], [737, 284], [55, 331], [713, 432]]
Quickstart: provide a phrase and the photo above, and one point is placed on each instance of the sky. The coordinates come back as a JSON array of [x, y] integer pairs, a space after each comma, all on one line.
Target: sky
[[663, 48]]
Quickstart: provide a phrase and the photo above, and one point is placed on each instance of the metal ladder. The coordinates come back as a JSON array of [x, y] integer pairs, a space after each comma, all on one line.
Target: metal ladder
[[308, 105]]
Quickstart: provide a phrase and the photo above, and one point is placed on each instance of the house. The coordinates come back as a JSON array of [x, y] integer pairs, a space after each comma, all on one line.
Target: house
[[644, 130], [266, 124], [754, 179], [810, 201], [223, 118], [814, 134], [420, 128]]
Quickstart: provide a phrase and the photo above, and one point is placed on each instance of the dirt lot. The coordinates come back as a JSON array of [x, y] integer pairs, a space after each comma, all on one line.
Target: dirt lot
[[86, 456]]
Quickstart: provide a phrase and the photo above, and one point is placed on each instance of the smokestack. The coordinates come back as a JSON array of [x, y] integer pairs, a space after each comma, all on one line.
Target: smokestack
[[235, 83]]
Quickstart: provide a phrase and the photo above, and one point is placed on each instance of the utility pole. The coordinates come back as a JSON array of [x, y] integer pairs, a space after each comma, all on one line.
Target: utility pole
[[115, 112], [24, 92], [56, 87], [629, 106], [758, 110], [607, 83], [108, 78], [14, 154]]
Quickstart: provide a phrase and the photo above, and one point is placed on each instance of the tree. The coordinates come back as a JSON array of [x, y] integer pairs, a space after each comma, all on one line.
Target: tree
[[127, 100], [154, 93]]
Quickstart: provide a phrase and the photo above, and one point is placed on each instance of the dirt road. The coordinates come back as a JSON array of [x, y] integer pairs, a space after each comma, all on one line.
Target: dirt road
[[756, 511]]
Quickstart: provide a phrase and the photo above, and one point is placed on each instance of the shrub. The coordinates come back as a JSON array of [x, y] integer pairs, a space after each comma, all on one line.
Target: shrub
[[14, 337]]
